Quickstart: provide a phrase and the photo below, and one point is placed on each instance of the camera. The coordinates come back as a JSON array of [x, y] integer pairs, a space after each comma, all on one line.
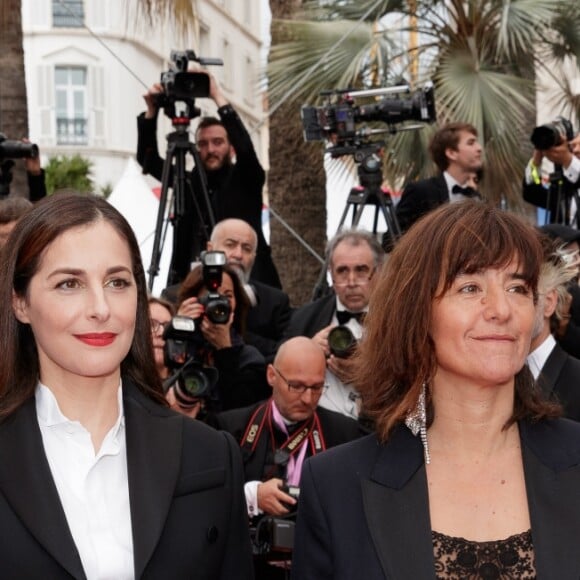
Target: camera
[[217, 306], [341, 341], [184, 353], [16, 149], [551, 134], [179, 84], [337, 119]]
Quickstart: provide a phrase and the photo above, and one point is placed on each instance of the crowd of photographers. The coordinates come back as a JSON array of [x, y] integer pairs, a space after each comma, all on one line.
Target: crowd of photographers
[[234, 354]]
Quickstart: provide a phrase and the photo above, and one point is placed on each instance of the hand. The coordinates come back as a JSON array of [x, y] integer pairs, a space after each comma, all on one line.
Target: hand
[[191, 307], [271, 498], [321, 338], [560, 154], [341, 367], [150, 100], [191, 412], [215, 91], [32, 164], [218, 335]]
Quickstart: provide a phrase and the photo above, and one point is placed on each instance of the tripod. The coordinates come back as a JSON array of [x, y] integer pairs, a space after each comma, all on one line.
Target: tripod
[[564, 193], [369, 193], [174, 168]]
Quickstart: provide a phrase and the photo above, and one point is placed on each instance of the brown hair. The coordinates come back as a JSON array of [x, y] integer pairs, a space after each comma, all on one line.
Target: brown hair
[[397, 355], [193, 284], [447, 138], [33, 234], [13, 208]]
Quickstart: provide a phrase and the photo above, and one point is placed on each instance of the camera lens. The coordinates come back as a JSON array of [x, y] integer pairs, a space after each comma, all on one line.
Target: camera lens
[[341, 341]]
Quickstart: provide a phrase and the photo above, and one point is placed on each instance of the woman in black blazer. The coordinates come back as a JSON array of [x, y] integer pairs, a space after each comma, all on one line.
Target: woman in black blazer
[[470, 474], [98, 478]]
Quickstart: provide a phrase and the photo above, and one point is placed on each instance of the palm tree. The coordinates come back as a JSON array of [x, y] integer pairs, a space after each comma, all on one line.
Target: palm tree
[[482, 56]]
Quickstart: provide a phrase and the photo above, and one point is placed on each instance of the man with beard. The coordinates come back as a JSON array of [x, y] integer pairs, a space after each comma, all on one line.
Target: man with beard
[[234, 189], [457, 153], [353, 258]]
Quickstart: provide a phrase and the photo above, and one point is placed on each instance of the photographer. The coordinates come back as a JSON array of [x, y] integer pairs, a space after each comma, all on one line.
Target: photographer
[[235, 189], [277, 435], [557, 143], [241, 368]]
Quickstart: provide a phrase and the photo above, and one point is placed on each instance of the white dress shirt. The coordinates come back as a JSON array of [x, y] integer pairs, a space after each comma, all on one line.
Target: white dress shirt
[[538, 357], [93, 489]]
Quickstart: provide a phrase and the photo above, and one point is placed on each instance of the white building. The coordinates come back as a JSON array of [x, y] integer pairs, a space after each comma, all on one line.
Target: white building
[[88, 63]]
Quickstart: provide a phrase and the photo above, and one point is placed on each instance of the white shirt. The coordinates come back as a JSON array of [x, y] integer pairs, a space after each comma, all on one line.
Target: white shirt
[[339, 397], [538, 357], [451, 182], [93, 489]]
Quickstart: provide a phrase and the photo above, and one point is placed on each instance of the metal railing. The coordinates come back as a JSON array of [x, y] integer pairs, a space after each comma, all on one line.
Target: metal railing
[[71, 131]]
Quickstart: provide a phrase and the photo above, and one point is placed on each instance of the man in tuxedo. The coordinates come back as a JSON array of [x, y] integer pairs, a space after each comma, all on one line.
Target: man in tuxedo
[[270, 311], [557, 373], [457, 153], [278, 435], [556, 196], [353, 257]]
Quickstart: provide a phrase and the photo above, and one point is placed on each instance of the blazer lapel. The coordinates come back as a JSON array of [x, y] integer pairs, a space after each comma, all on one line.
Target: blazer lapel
[[551, 370], [26, 482], [552, 472], [397, 510], [153, 462]]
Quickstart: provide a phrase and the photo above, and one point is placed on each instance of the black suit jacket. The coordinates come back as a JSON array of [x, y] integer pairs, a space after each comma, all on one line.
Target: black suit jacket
[[560, 378], [419, 198], [310, 318], [364, 508], [185, 488], [336, 429]]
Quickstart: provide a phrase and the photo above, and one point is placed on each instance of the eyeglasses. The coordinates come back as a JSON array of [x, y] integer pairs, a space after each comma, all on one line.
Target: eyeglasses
[[299, 387], [360, 275], [158, 327]]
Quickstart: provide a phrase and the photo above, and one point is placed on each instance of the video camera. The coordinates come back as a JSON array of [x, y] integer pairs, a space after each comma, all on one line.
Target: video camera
[[16, 149], [551, 134], [184, 86], [337, 119]]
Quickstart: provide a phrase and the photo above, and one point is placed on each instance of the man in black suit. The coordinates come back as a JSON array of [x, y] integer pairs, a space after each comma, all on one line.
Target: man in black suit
[[458, 156], [278, 435], [556, 196], [270, 311], [353, 257], [557, 373]]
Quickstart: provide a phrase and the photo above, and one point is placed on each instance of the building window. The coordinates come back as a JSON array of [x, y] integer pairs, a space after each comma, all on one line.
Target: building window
[[68, 13], [71, 105]]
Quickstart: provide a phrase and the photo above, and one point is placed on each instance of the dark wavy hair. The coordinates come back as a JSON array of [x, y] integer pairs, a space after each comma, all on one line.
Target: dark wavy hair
[[193, 285], [397, 354], [21, 259], [447, 137]]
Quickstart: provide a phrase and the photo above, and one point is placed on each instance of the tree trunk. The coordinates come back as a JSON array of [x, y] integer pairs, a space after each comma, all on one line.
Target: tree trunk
[[297, 189], [13, 103]]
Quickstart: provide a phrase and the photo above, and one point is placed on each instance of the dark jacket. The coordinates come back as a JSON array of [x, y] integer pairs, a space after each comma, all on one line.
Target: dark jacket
[[312, 317], [364, 508], [188, 512], [234, 192]]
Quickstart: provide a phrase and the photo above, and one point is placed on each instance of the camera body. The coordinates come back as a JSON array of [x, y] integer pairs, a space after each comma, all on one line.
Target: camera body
[[337, 119], [16, 149], [217, 306], [551, 134]]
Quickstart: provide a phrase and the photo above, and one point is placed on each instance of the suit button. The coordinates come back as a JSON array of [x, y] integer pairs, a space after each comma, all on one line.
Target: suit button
[[212, 535]]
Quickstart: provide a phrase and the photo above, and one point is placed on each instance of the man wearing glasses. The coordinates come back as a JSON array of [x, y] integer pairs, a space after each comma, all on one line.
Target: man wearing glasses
[[277, 435], [353, 257]]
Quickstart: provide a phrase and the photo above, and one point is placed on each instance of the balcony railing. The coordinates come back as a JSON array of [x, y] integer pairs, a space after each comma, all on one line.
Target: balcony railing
[[71, 131]]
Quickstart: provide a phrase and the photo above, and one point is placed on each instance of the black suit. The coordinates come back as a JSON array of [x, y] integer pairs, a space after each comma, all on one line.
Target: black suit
[[312, 317], [419, 198], [560, 378], [185, 488], [268, 319], [336, 429], [364, 507]]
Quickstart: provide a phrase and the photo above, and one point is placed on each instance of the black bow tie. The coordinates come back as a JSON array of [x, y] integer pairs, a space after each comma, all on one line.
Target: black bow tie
[[466, 191], [343, 316]]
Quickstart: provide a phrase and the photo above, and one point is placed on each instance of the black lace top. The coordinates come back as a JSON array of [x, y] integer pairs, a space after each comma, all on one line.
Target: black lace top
[[459, 559]]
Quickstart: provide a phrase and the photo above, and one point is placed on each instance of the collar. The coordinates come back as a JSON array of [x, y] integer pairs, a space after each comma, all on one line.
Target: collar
[[538, 357]]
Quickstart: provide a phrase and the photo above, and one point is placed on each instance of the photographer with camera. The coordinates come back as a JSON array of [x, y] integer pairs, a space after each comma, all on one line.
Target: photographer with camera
[[557, 143], [334, 321], [278, 435], [29, 152], [234, 188], [214, 298]]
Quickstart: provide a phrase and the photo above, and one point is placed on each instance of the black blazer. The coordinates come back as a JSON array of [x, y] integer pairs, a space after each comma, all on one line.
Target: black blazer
[[336, 429], [420, 197], [560, 378], [364, 508], [310, 318], [185, 489]]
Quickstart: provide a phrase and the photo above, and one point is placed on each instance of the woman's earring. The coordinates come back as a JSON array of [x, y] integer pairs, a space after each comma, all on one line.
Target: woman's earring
[[417, 422]]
